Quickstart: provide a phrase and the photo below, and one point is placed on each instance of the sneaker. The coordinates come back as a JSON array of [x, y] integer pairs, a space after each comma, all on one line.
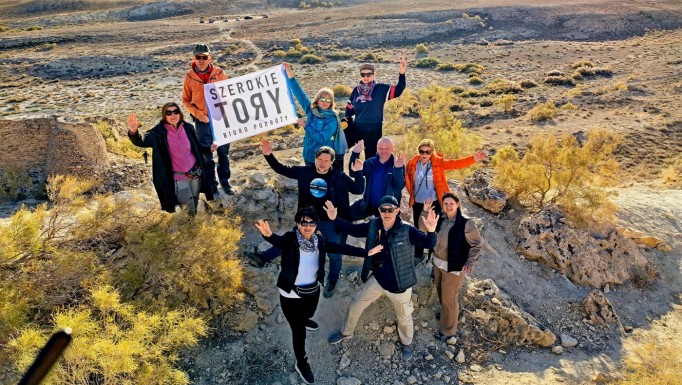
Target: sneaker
[[441, 337], [311, 325], [304, 371], [338, 337], [254, 259], [406, 353], [329, 289], [227, 188]]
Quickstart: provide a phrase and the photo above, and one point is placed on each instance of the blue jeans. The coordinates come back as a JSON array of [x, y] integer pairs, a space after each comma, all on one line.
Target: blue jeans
[[330, 234], [205, 135]]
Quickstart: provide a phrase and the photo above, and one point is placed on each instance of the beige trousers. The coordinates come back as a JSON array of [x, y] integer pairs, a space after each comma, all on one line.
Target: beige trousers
[[448, 287], [370, 292]]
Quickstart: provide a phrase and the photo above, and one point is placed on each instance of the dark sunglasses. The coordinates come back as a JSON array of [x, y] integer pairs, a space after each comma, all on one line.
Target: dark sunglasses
[[201, 57], [308, 223], [366, 74], [324, 100], [171, 112], [425, 152], [389, 210]]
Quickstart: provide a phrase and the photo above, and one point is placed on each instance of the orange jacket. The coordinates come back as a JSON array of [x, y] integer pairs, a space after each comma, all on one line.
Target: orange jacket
[[193, 91], [438, 165]]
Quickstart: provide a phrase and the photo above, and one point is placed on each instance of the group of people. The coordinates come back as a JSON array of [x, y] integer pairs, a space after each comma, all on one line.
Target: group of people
[[182, 164]]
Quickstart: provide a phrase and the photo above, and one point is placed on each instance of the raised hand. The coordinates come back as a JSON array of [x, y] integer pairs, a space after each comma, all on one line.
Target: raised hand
[[375, 250], [479, 155], [214, 147], [264, 228], [357, 165], [430, 221], [300, 122], [330, 209], [403, 64], [359, 146], [204, 119], [132, 123], [290, 71], [428, 203], [265, 147], [399, 161]]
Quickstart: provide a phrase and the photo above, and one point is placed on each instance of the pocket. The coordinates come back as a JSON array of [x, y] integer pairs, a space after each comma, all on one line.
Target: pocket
[[406, 308], [183, 193]]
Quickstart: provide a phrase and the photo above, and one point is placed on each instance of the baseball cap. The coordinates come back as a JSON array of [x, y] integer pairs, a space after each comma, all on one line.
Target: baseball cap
[[389, 200], [201, 49]]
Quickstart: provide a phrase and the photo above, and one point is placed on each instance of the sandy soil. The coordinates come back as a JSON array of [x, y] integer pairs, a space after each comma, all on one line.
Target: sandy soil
[[95, 61]]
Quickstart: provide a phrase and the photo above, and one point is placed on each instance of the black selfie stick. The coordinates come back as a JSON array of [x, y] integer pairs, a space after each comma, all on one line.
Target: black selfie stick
[[47, 357]]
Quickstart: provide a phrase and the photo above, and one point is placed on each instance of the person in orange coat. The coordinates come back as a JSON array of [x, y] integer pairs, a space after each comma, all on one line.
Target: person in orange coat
[[203, 71], [425, 179]]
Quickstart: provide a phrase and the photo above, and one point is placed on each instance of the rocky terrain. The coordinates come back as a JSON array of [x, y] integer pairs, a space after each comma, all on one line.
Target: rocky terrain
[[545, 306]]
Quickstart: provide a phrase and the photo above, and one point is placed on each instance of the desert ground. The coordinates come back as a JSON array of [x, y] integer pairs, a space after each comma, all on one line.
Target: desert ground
[[77, 60]]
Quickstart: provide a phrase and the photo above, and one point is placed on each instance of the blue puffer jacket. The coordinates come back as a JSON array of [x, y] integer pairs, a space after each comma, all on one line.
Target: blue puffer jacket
[[319, 131]]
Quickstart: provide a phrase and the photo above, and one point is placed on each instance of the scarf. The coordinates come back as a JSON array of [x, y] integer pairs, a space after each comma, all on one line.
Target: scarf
[[204, 75], [306, 245], [340, 143], [365, 91]]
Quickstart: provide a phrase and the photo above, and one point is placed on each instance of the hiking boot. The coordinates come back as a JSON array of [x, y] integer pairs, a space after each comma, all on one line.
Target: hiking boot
[[311, 325], [406, 353], [304, 371], [254, 259], [227, 188], [338, 337], [441, 337], [329, 289]]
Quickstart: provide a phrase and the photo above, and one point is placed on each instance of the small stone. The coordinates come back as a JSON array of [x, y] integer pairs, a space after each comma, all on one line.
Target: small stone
[[411, 380], [449, 355], [606, 288], [373, 326], [460, 357], [557, 350], [344, 381], [386, 349], [345, 361], [280, 318], [568, 341], [475, 368], [429, 357], [447, 379], [389, 329], [501, 351], [496, 301]]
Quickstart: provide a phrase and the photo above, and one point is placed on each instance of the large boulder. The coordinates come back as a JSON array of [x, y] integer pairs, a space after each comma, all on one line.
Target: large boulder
[[496, 318], [478, 187], [584, 258]]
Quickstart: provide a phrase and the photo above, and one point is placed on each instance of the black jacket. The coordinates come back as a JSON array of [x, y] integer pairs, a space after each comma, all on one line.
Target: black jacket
[[291, 256], [162, 169], [340, 184]]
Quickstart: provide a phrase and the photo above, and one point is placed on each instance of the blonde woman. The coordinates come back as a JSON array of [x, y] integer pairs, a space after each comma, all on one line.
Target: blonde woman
[[323, 126]]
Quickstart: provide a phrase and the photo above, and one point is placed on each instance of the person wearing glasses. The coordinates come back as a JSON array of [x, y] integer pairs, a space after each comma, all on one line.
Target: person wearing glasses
[[322, 126], [367, 101], [457, 250], [393, 271], [317, 184], [176, 159], [302, 274], [203, 71], [425, 178]]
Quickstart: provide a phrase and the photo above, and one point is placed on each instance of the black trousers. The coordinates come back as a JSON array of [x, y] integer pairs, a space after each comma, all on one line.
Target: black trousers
[[205, 135], [417, 209], [371, 137], [297, 311]]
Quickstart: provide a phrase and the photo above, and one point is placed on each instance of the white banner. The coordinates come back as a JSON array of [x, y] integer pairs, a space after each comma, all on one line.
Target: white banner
[[249, 105]]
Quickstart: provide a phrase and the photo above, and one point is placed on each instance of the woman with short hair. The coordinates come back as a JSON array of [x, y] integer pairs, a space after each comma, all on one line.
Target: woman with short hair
[[177, 163], [303, 255]]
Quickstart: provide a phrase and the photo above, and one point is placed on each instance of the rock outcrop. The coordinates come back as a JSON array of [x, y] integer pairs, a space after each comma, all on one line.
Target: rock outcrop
[[496, 318], [584, 258], [479, 189], [598, 309]]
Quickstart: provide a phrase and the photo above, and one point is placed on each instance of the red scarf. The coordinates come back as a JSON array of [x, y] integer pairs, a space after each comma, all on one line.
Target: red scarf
[[203, 75]]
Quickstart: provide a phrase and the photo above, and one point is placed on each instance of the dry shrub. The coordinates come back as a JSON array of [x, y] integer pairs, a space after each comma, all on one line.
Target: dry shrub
[[338, 55], [310, 59], [421, 48], [113, 342], [475, 80], [563, 172], [672, 175], [427, 62], [470, 68], [503, 86], [445, 67], [582, 63], [370, 57], [506, 103], [116, 144], [569, 107], [652, 362], [559, 80], [527, 83], [342, 90], [542, 112], [433, 106]]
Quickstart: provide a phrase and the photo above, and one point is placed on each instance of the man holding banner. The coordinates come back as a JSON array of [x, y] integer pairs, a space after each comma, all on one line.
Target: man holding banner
[[201, 73]]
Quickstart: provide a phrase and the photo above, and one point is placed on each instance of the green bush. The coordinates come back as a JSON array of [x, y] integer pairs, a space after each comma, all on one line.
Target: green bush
[[421, 48], [279, 53], [310, 59], [469, 68], [527, 83], [338, 55], [115, 143], [369, 57], [575, 177], [542, 112], [341, 90], [445, 67], [503, 86], [426, 62], [506, 103], [475, 80]]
